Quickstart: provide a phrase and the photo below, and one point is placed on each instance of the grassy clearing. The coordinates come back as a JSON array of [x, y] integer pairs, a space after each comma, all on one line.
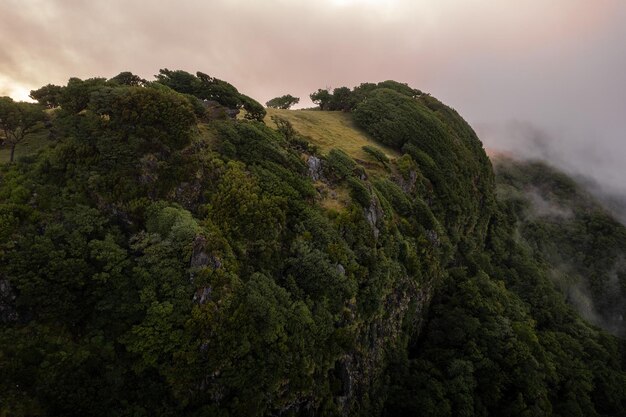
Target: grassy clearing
[[330, 129], [29, 146]]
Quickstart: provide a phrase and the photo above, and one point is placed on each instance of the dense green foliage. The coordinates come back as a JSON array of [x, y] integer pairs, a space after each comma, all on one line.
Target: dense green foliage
[[321, 98], [210, 88], [582, 245], [345, 99], [17, 119], [447, 152], [377, 154], [48, 95], [129, 79], [283, 102], [154, 265]]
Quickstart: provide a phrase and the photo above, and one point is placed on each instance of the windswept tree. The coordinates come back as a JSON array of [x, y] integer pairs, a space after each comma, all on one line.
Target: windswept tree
[[283, 102], [180, 81], [254, 109], [211, 89], [48, 95], [76, 95], [341, 99], [17, 119], [129, 79], [322, 98], [344, 99]]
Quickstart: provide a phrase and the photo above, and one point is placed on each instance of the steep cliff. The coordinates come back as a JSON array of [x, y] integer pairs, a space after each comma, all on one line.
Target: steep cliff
[[160, 259]]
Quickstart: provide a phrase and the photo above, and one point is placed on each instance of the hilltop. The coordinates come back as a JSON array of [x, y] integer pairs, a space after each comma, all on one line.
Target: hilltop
[[176, 250]]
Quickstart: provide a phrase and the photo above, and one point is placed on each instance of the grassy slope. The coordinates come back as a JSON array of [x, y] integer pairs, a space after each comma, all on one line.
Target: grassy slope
[[330, 129], [334, 129], [29, 146]]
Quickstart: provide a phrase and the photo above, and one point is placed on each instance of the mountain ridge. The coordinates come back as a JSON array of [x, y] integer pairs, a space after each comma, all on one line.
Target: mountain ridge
[[164, 258]]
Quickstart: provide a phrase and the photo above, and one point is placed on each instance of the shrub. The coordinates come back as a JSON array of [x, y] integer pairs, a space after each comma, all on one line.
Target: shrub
[[377, 154], [358, 192], [339, 164]]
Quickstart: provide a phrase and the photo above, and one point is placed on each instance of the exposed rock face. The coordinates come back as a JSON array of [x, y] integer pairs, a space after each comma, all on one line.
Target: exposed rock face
[[149, 165], [201, 259], [202, 295], [232, 113], [315, 168], [188, 194], [433, 237], [217, 111], [407, 184], [360, 372], [344, 372], [7, 299], [214, 110], [374, 213]]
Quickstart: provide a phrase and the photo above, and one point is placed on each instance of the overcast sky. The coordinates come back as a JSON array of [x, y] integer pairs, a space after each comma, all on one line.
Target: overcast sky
[[521, 72]]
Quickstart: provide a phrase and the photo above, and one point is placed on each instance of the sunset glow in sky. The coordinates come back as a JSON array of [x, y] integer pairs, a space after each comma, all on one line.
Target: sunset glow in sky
[[558, 64]]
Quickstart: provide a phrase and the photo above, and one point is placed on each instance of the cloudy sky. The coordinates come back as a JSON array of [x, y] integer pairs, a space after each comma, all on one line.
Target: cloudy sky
[[534, 76]]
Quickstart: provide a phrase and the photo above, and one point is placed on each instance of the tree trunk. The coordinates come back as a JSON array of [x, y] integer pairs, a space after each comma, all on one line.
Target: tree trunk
[[12, 153]]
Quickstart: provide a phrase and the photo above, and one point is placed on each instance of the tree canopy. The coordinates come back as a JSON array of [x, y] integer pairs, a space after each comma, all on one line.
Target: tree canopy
[[322, 98], [48, 95], [211, 89], [129, 79], [346, 99], [283, 102], [17, 119]]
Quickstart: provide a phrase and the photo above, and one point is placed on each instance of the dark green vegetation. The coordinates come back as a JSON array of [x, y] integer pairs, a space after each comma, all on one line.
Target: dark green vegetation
[[345, 99], [16, 121], [283, 102], [162, 258], [579, 242]]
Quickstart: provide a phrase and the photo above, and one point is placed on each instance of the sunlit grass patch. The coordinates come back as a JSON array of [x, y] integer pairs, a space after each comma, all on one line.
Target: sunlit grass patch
[[330, 129]]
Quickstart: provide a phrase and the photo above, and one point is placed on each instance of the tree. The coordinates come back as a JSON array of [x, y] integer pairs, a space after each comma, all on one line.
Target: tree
[[48, 95], [76, 95], [17, 119], [283, 102], [285, 127], [128, 78], [341, 99], [180, 81], [254, 109], [401, 88], [211, 88], [322, 98], [156, 120]]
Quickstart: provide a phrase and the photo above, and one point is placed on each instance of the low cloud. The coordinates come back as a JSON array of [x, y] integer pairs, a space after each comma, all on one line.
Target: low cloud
[[542, 206], [596, 162]]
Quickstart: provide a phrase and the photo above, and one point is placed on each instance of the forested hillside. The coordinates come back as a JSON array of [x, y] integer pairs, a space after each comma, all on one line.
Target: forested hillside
[[582, 246], [170, 251]]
